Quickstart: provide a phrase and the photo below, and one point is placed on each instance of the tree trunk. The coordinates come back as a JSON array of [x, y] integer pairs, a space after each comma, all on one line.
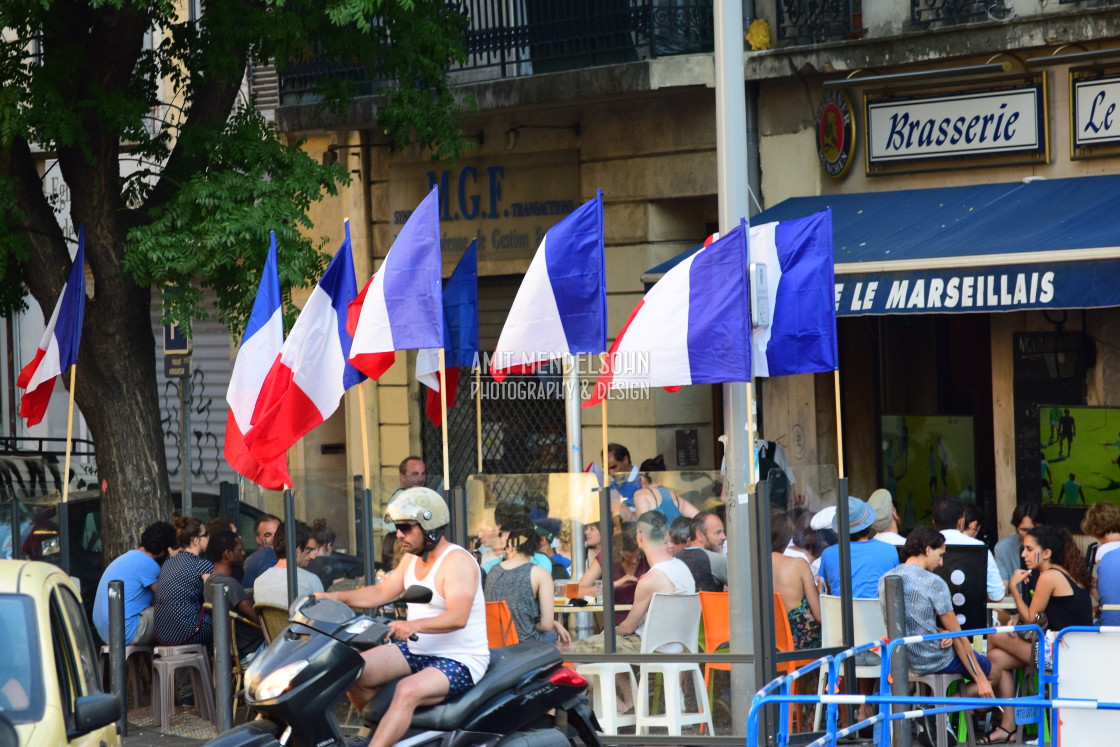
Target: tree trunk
[[116, 389]]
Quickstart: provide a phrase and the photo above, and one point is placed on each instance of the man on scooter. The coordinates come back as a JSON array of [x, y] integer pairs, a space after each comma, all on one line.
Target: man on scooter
[[450, 654]]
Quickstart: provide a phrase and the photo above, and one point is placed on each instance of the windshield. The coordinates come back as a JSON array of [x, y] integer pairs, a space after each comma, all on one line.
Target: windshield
[[21, 684]]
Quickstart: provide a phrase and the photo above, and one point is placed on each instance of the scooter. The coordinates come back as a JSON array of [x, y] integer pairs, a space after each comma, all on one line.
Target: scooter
[[294, 684]]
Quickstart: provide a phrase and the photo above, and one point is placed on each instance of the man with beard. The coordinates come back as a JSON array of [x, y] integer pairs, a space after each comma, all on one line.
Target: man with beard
[[451, 653]]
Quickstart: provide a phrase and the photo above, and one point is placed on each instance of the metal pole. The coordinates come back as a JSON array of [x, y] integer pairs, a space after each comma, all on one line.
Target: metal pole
[[606, 562], [185, 439], [290, 543], [763, 608], [847, 625], [223, 665], [731, 166], [64, 536], [459, 515], [17, 535], [366, 497], [900, 667], [575, 452], [117, 651]]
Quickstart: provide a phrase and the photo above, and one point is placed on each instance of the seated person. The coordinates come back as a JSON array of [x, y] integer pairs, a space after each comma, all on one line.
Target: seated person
[[624, 482], [654, 497], [139, 571], [264, 557], [179, 616], [929, 611], [526, 588], [450, 654], [539, 558], [1007, 552], [326, 565], [1060, 591], [666, 575], [948, 518], [793, 581], [628, 565], [271, 586], [227, 552], [870, 560], [703, 553]]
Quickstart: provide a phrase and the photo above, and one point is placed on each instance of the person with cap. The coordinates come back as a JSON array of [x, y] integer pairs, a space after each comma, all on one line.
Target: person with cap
[[948, 518], [548, 529], [538, 559], [450, 653], [886, 518], [869, 560]]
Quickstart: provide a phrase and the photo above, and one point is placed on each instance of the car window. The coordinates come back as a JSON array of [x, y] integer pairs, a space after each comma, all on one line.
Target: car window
[[64, 663], [21, 682], [84, 649]]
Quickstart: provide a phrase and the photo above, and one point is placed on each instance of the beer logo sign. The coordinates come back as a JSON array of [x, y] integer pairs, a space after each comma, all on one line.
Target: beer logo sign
[[836, 134]]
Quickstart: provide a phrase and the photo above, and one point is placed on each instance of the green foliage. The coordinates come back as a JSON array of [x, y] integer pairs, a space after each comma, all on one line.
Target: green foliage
[[213, 234], [139, 100]]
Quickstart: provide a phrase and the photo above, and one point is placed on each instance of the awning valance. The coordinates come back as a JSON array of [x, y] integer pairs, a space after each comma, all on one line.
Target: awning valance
[[1033, 244]]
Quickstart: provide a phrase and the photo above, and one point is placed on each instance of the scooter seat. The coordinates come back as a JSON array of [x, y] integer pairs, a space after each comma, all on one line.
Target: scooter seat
[[508, 665]]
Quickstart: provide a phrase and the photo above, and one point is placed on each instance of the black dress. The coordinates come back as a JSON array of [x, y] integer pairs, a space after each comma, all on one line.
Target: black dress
[[179, 617]]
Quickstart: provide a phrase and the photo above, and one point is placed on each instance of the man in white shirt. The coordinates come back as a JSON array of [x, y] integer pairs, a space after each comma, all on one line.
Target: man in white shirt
[[272, 585], [886, 518], [948, 518]]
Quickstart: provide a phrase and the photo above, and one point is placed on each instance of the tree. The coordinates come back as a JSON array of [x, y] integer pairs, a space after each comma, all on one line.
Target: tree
[[82, 81]]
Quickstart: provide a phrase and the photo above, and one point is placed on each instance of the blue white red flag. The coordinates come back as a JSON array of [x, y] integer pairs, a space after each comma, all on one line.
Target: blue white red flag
[[460, 335], [308, 378], [561, 306], [401, 307], [58, 348], [801, 336], [261, 343], [690, 328]]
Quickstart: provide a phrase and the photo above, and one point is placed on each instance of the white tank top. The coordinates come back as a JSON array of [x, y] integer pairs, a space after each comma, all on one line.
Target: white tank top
[[683, 583], [468, 645]]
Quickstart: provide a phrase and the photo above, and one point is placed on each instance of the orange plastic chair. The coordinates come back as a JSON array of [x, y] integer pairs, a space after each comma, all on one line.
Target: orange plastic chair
[[716, 622], [500, 630], [783, 641]]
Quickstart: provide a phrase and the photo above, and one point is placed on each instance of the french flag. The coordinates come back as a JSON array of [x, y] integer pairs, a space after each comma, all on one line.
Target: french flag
[[308, 378], [460, 335], [261, 343], [58, 349], [800, 298], [561, 306], [690, 328], [401, 307]]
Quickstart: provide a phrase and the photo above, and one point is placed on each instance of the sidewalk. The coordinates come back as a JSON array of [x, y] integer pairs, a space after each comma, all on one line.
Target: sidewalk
[[146, 736], [186, 728]]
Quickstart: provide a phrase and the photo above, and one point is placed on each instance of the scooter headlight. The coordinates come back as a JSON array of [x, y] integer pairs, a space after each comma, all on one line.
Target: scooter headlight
[[276, 682]]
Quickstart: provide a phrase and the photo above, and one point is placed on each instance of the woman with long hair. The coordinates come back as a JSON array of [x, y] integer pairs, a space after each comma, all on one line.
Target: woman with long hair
[[525, 587], [629, 565], [1060, 599], [793, 581], [179, 616]]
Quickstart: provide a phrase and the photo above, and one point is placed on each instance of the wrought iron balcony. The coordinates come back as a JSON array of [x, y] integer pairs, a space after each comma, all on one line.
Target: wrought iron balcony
[[513, 38], [816, 21], [953, 12]]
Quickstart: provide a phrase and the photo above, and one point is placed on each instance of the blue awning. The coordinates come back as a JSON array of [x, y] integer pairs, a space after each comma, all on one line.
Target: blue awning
[[1033, 244]]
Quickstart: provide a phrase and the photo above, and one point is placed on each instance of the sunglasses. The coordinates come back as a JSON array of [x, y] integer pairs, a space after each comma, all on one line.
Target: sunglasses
[[405, 528]]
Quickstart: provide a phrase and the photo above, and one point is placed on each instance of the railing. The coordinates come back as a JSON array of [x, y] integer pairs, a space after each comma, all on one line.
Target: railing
[[514, 38], [952, 12], [813, 21]]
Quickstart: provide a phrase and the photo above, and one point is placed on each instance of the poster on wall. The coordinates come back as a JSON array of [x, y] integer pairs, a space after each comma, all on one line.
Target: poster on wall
[[925, 457], [1080, 449]]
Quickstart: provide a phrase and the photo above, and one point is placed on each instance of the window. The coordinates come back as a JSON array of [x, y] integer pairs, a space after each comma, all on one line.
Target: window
[[21, 682]]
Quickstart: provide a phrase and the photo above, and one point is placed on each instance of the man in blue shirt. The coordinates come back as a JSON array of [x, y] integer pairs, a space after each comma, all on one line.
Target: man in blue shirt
[[623, 476], [139, 570], [870, 560]]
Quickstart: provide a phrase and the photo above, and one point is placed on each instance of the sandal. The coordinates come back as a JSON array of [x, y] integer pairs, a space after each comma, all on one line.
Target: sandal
[[989, 737]]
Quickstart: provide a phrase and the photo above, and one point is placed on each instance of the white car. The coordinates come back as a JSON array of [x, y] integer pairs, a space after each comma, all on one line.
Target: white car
[[50, 687]]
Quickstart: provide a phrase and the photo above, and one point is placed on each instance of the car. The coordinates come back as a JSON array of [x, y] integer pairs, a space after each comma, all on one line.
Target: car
[[50, 684]]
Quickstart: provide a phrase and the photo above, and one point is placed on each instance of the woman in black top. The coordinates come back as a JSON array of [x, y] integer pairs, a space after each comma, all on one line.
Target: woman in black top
[[1060, 592], [178, 613]]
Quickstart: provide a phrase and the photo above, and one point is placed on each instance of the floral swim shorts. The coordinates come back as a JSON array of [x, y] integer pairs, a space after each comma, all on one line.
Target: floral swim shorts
[[457, 674]]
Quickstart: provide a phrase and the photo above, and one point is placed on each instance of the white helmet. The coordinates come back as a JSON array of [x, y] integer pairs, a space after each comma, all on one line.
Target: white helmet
[[424, 506]]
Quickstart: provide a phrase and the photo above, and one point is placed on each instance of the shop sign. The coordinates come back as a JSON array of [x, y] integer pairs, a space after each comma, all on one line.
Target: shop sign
[[505, 203], [984, 123], [1096, 114], [1061, 285], [836, 134]]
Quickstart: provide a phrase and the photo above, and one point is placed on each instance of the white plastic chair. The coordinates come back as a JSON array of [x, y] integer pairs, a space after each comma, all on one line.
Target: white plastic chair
[[602, 677], [673, 622], [867, 626]]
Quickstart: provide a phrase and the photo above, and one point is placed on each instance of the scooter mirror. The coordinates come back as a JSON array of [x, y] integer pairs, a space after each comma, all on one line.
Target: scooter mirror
[[416, 594]]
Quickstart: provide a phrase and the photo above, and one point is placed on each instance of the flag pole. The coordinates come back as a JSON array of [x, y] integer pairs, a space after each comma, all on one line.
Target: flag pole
[[443, 416], [69, 434], [606, 470], [478, 415], [365, 433], [839, 429]]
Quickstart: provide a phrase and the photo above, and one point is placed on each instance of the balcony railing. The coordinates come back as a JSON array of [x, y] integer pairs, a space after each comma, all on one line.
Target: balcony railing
[[816, 21], [952, 12], [514, 38]]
